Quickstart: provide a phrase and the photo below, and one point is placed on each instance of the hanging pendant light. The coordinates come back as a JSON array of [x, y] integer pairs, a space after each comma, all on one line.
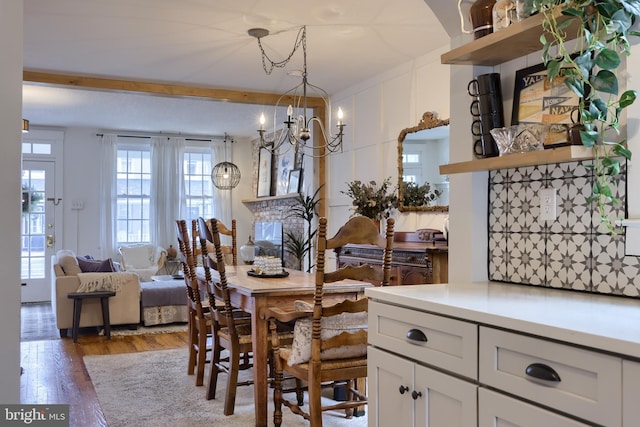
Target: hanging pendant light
[[225, 175]]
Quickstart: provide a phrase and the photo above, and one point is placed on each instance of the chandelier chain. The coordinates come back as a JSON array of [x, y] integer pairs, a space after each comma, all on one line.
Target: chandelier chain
[[301, 39]]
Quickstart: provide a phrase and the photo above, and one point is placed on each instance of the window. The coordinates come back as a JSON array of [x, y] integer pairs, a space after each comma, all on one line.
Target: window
[[197, 181], [133, 171]]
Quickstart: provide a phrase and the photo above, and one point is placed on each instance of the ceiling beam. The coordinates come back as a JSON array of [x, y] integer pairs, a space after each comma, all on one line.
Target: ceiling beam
[[117, 85]]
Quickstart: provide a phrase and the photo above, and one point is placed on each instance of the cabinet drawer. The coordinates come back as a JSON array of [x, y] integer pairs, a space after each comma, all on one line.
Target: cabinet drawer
[[450, 344], [588, 384], [499, 410]]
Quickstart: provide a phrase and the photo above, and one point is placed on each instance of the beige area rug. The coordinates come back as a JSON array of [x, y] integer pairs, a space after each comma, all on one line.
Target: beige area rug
[[153, 389]]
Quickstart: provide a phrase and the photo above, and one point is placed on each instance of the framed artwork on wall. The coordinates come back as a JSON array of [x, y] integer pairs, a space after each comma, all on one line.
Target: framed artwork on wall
[[295, 179], [286, 163], [264, 172], [536, 100]]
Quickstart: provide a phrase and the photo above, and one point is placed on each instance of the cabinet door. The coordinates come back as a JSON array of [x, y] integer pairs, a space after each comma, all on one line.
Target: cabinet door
[[443, 400], [497, 410], [389, 404], [630, 393]]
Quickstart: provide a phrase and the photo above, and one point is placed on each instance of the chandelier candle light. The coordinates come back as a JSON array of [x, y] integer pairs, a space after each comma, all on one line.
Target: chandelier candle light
[[297, 130]]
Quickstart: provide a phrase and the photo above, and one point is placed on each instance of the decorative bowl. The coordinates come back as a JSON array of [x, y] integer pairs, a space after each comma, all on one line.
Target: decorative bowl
[[520, 138]]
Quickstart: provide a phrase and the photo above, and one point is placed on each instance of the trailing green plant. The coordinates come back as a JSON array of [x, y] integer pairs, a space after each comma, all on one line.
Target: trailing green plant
[[418, 195], [372, 200], [591, 71], [306, 209]]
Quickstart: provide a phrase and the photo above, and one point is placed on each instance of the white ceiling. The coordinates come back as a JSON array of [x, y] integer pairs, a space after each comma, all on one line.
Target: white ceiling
[[205, 43]]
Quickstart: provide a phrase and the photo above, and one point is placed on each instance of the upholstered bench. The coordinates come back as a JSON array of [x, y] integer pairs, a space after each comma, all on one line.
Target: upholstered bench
[[163, 302]]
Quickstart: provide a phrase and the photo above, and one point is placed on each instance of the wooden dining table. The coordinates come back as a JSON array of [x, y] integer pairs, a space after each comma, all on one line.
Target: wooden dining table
[[254, 293]]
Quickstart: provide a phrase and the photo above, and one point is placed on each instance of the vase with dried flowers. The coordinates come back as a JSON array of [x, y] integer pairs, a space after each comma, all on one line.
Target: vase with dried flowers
[[371, 199]]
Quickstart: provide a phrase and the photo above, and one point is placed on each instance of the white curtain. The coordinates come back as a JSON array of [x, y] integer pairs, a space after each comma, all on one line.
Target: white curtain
[[167, 192], [108, 156]]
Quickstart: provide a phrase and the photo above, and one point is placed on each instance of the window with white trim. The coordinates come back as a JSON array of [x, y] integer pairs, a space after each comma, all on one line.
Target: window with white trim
[[197, 181], [133, 169]]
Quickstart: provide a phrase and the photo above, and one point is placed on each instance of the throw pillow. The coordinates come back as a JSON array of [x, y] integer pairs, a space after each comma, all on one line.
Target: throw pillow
[[69, 265], [95, 266], [330, 327]]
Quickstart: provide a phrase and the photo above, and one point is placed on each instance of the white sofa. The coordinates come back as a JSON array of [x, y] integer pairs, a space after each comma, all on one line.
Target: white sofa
[[124, 307]]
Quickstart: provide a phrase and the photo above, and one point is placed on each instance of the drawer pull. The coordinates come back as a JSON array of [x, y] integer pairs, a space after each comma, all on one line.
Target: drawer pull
[[416, 335], [416, 394], [403, 389], [542, 372]]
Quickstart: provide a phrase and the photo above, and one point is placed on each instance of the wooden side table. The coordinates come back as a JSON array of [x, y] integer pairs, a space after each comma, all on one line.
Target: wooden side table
[[77, 309]]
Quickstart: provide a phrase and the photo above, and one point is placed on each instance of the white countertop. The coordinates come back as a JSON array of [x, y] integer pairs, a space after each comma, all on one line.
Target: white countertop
[[602, 322]]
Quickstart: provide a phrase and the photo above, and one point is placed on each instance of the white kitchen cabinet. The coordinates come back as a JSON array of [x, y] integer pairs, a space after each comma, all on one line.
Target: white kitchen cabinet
[[630, 393], [576, 381], [498, 410], [590, 342], [406, 394]]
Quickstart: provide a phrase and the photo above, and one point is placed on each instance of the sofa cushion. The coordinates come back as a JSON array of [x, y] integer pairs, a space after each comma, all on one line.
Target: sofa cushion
[[331, 326], [69, 265], [93, 266]]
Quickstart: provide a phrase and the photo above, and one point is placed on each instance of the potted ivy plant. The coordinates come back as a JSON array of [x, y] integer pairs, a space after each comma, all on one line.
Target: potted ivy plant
[[591, 70]]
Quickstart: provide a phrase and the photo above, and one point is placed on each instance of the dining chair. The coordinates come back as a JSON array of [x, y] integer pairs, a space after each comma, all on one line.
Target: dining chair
[[231, 327], [199, 319], [330, 342]]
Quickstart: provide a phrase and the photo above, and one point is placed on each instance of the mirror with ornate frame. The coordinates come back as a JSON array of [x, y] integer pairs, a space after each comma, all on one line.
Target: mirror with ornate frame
[[421, 150]]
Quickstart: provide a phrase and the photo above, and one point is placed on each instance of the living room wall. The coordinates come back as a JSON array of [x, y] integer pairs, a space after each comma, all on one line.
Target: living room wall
[[81, 182]]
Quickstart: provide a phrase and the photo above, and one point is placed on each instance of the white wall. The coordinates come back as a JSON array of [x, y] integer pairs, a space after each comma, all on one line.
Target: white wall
[[376, 111], [10, 128]]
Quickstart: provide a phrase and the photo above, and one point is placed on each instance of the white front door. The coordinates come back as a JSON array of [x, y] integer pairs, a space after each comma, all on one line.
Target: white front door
[[37, 229]]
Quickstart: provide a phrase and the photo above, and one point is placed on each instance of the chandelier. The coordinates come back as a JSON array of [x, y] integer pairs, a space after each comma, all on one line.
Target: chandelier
[[225, 175], [297, 131]]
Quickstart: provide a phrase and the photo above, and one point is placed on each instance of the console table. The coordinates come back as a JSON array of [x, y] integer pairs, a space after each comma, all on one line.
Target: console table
[[419, 257]]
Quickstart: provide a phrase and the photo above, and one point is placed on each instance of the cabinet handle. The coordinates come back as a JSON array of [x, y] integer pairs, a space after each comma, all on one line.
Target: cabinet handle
[[403, 389], [416, 394], [416, 335], [542, 372]]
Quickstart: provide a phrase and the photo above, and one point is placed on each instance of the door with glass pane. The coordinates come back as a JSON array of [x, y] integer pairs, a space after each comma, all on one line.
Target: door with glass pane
[[37, 225]]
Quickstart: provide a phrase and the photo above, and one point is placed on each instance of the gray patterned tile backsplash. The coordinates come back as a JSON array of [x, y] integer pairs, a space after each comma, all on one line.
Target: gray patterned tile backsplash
[[572, 252]]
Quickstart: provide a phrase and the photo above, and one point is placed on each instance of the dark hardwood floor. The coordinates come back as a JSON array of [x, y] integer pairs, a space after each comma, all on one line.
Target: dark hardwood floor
[[53, 370]]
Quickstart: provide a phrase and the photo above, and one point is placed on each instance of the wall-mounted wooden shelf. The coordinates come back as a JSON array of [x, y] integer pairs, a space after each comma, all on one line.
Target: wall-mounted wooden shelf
[[572, 153], [518, 39]]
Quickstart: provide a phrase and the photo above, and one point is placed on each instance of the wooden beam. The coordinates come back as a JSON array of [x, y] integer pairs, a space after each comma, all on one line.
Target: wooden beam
[[116, 85]]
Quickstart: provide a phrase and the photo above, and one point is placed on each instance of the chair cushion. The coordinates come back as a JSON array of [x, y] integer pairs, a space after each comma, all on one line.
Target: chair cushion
[[331, 326]]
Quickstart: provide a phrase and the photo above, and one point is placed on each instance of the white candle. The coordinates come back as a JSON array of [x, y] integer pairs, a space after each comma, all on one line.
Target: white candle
[[262, 120]]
